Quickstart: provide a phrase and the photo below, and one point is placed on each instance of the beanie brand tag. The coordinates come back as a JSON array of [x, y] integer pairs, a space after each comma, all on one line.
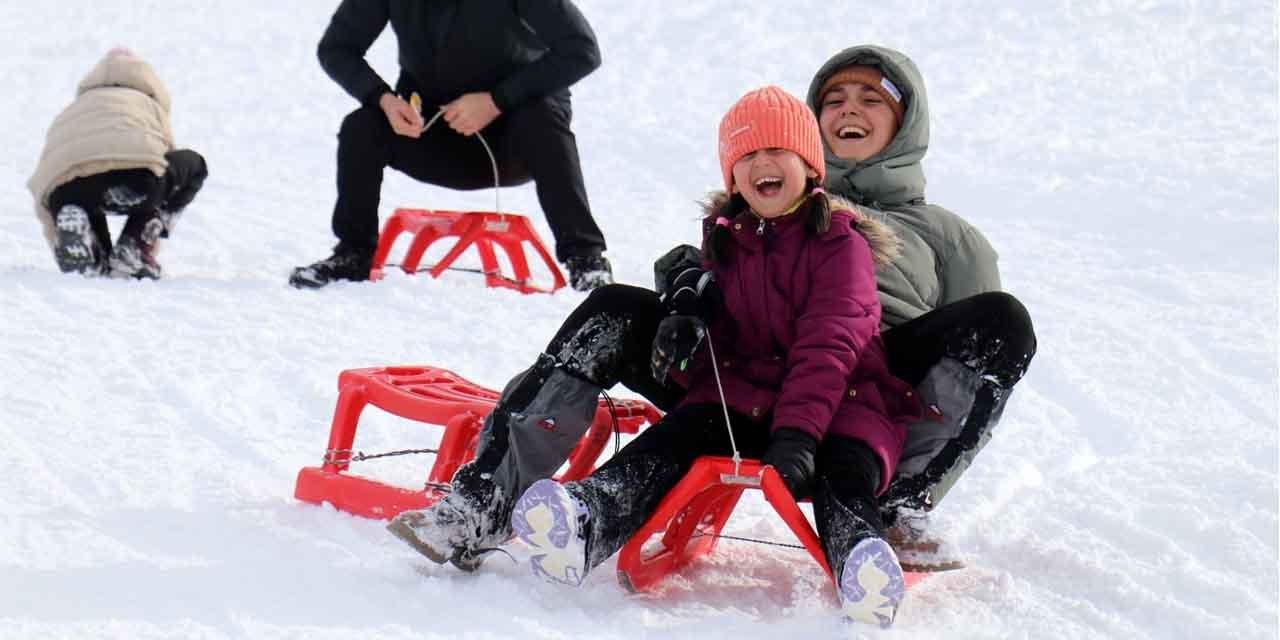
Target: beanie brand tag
[[888, 85]]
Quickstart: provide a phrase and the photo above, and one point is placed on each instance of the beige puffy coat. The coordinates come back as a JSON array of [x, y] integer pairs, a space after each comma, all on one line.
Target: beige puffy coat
[[119, 120]]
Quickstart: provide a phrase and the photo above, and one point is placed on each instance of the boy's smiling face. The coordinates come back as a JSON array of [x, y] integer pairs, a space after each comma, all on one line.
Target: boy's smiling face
[[856, 122]]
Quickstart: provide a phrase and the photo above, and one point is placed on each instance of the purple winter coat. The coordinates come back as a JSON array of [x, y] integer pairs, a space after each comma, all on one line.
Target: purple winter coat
[[799, 332]]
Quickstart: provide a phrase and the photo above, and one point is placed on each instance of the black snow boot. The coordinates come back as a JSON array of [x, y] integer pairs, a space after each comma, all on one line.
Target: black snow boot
[[346, 263], [134, 254], [588, 272], [75, 246]]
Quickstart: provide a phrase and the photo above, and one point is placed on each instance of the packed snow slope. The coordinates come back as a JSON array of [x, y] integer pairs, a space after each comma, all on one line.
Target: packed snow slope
[[1121, 156]]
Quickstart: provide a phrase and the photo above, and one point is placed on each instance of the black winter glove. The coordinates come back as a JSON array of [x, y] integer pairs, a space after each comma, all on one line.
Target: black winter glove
[[791, 453], [677, 339], [684, 287]]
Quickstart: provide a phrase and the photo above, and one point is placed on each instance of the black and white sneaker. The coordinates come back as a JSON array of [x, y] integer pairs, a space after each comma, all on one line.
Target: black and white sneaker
[[587, 273], [346, 263], [75, 245]]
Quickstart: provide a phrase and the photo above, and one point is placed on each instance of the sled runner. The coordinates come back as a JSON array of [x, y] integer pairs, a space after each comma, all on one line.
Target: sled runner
[[485, 230], [688, 521], [435, 396]]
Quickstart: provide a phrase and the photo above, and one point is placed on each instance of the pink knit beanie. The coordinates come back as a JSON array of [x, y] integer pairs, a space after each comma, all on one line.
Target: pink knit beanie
[[769, 118]]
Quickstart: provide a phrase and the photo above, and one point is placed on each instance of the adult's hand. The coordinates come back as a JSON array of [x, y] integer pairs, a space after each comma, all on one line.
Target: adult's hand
[[404, 119], [471, 113]]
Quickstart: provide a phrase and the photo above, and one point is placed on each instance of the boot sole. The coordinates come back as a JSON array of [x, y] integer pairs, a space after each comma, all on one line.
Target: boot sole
[[75, 244], [546, 519], [871, 583], [400, 528]]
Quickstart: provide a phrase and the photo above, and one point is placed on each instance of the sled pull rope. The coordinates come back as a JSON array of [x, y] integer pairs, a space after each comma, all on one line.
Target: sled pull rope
[[416, 103], [339, 456], [737, 477]]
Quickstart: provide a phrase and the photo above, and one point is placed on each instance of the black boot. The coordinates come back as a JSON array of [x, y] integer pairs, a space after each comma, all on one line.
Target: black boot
[[134, 255], [346, 263], [75, 244], [588, 272]]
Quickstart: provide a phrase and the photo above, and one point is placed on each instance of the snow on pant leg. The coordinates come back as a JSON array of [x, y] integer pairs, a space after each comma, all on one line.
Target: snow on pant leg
[[624, 492], [537, 137], [608, 339], [968, 355], [844, 503], [544, 412]]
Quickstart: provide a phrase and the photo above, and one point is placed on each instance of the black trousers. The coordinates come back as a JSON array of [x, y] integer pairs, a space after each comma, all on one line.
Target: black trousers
[[530, 142], [991, 333], [136, 193]]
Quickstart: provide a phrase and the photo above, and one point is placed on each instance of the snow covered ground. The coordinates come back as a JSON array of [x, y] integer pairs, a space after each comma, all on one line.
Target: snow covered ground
[[1121, 155]]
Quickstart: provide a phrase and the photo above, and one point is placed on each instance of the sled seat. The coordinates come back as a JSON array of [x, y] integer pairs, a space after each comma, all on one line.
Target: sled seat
[[688, 521], [482, 229], [440, 397]]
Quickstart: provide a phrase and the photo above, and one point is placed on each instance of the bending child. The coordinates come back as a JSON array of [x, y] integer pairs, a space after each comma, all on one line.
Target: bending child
[[795, 336], [111, 152]]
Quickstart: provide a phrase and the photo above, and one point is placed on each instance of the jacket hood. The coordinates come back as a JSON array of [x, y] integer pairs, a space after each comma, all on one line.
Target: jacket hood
[[125, 70], [893, 176], [884, 243]]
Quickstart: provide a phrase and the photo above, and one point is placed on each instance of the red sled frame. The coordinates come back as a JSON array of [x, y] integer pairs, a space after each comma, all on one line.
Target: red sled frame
[[689, 520], [483, 229], [435, 396]]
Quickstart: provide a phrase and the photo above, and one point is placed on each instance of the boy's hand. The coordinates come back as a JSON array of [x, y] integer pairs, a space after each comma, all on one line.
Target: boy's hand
[[404, 119], [791, 453], [471, 113]]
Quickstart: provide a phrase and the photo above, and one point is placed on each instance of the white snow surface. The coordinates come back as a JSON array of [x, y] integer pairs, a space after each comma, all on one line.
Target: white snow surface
[[1120, 154]]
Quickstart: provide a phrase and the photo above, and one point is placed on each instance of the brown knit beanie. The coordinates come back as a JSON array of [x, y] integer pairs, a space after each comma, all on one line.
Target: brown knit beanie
[[871, 77]]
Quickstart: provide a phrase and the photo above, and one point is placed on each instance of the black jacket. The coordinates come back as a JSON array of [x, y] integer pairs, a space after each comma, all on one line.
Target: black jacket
[[518, 50]]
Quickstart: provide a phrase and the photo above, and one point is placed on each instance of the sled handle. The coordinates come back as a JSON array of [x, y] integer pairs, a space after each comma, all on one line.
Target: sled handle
[[416, 103]]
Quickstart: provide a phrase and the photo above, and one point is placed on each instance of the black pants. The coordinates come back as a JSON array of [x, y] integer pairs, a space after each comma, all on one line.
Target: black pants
[[531, 142], [990, 333], [586, 348], [136, 193], [624, 492]]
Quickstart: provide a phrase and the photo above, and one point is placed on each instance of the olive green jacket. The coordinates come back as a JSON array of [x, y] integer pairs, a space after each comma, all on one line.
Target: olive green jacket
[[942, 257]]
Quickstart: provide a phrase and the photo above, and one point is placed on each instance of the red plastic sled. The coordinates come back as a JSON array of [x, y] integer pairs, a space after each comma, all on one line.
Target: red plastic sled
[[690, 518], [435, 396], [485, 230]]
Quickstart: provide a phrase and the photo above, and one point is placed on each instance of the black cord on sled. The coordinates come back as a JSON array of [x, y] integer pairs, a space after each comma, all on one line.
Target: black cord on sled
[[613, 413]]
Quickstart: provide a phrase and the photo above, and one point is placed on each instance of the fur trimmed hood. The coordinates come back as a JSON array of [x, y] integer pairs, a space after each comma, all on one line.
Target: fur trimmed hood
[[885, 245]]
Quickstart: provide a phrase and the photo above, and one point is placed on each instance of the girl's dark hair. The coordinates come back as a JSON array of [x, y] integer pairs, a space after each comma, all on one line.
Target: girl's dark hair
[[816, 210]]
